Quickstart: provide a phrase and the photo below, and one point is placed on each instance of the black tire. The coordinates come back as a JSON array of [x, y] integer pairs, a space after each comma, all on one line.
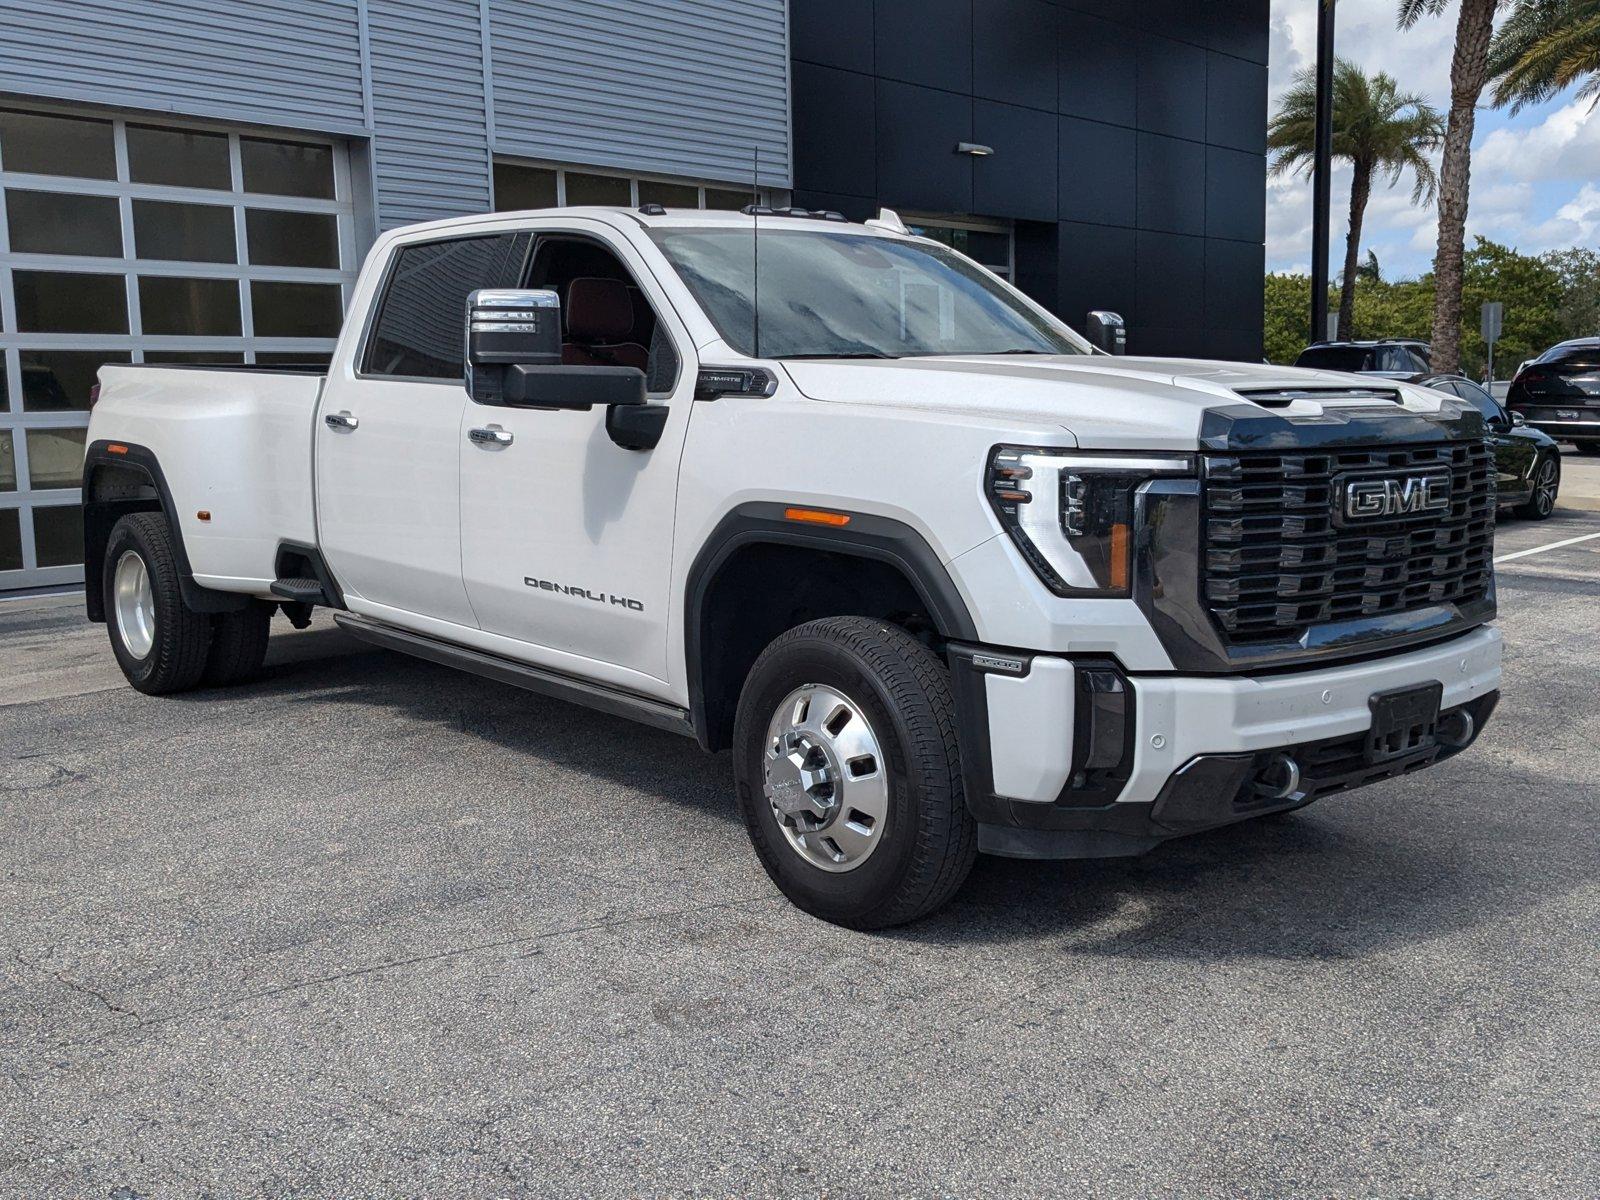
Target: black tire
[[238, 645], [929, 839], [1539, 506], [176, 658]]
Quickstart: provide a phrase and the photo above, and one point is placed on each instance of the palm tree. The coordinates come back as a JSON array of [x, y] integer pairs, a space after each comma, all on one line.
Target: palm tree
[[1469, 73], [1544, 47], [1380, 130]]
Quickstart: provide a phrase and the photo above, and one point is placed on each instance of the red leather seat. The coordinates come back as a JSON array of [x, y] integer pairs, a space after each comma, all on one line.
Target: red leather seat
[[599, 315]]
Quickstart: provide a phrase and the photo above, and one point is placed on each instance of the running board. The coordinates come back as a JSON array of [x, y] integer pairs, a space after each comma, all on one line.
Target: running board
[[598, 696]]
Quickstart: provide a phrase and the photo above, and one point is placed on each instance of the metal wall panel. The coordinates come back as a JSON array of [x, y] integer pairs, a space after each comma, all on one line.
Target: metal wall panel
[[267, 62], [428, 109], [678, 87]]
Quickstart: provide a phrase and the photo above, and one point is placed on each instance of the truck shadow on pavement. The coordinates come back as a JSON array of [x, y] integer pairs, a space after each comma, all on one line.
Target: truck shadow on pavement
[[1342, 879]]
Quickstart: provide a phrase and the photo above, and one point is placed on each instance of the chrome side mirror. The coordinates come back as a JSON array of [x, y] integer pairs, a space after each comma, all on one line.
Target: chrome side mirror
[[1518, 419], [1108, 332], [506, 328]]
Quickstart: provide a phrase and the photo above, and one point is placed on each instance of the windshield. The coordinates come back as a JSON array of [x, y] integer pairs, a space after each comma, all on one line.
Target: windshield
[[841, 295]]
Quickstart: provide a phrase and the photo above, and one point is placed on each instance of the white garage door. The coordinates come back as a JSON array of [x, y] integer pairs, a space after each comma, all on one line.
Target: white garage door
[[141, 240]]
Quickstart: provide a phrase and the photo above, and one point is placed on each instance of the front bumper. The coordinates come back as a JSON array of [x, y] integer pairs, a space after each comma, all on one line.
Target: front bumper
[[1039, 733]]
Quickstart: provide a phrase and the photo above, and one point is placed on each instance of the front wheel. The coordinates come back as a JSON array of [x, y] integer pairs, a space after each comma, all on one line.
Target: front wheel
[[848, 774], [1541, 502]]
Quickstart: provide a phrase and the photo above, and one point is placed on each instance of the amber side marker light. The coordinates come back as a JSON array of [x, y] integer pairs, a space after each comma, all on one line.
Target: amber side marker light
[[815, 516], [1119, 556], [116, 448], [204, 514]]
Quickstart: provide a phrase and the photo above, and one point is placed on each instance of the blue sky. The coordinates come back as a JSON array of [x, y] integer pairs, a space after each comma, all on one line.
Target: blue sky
[[1535, 176]]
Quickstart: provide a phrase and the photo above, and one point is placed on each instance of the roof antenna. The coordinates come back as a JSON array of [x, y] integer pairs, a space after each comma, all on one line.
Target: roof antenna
[[755, 248]]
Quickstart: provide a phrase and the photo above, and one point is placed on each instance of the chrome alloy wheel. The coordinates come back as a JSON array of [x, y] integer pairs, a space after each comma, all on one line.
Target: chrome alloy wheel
[[1545, 486], [135, 604], [825, 778]]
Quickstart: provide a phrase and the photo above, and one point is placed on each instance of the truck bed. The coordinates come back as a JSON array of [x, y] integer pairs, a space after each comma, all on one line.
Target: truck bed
[[233, 442]]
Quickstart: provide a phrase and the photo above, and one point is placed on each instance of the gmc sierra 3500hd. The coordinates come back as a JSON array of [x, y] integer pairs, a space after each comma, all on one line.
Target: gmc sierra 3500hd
[[944, 576]]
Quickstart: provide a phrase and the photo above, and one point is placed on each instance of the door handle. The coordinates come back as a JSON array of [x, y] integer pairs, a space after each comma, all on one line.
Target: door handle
[[491, 436], [340, 420]]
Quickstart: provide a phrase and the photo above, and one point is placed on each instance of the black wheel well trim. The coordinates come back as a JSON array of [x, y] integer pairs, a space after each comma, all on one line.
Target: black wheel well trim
[[142, 460], [878, 538]]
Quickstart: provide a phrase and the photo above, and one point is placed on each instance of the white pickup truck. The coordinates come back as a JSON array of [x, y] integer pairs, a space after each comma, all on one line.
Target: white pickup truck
[[942, 574]]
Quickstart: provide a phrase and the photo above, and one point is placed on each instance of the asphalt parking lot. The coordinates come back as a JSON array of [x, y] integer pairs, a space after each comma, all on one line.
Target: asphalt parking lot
[[373, 928]]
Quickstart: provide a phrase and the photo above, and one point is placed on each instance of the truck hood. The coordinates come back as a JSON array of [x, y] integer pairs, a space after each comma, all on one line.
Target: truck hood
[[1114, 403]]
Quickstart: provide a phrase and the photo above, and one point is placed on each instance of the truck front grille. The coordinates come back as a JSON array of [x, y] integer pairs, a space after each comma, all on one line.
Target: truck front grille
[[1278, 562]]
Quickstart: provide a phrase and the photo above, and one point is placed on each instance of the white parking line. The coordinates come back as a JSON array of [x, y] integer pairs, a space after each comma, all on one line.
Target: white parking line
[[1573, 541]]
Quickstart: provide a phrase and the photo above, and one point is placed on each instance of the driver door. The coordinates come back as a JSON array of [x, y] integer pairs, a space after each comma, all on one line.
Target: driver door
[[566, 537]]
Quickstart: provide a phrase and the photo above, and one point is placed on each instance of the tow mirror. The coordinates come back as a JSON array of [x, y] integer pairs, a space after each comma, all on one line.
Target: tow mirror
[[1107, 332], [514, 360]]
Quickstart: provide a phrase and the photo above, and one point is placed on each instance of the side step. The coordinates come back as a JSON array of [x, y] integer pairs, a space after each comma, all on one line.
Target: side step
[[308, 591], [598, 696]]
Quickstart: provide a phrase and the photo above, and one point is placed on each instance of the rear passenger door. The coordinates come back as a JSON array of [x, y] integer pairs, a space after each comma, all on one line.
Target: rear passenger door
[[388, 461]]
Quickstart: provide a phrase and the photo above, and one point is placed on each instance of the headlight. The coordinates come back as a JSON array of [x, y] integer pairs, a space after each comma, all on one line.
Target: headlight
[[1071, 512]]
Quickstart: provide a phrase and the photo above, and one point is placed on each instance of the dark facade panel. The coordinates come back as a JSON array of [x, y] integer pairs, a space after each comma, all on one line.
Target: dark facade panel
[[918, 129], [1233, 105], [1097, 172], [1172, 87], [1014, 52], [835, 129], [1172, 175], [1018, 181], [928, 42], [1241, 28], [1170, 271], [1233, 290], [831, 33], [1235, 183], [1094, 269], [1098, 80]]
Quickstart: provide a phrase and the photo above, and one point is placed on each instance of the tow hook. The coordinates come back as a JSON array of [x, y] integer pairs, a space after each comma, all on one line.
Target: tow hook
[[1456, 729], [1279, 779]]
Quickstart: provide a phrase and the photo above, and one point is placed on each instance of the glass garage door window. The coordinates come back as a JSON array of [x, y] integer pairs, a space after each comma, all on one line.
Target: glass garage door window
[[133, 240]]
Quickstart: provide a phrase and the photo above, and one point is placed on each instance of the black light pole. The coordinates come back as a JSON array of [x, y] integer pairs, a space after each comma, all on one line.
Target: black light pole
[[1321, 170]]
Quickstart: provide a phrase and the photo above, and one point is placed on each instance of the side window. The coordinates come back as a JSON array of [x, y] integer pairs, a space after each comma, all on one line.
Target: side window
[[1418, 363], [422, 311], [606, 318], [1393, 358], [1480, 400]]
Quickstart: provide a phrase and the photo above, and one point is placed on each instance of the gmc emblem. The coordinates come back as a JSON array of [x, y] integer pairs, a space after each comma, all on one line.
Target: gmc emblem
[[1394, 496]]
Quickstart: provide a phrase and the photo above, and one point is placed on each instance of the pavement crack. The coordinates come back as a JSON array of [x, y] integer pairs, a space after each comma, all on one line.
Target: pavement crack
[[434, 956], [74, 985]]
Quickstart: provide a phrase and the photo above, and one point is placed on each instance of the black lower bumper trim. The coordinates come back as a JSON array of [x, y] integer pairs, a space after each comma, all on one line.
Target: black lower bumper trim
[[1211, 791]]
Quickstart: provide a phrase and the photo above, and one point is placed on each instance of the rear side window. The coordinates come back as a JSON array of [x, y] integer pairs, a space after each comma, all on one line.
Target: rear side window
[[420, 330]]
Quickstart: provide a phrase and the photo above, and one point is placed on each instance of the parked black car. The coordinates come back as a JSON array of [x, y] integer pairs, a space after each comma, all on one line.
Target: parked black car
[[1559, 393], [1395, 358], [1528, 461]]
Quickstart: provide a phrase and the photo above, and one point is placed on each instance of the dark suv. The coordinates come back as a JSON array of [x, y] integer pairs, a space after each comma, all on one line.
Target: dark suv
[[1396, 358], [1559, 393]]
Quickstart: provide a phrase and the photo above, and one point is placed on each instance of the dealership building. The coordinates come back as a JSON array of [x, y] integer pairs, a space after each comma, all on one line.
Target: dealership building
[[191, 182]]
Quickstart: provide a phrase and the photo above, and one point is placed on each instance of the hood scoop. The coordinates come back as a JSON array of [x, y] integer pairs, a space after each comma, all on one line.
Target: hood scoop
[[1348, 397]]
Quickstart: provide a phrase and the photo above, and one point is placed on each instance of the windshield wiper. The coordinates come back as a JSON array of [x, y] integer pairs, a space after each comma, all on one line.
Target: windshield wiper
[[849, 354]]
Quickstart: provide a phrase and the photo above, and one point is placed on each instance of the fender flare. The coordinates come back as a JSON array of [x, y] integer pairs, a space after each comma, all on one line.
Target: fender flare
[[881, 539], [99, 515]]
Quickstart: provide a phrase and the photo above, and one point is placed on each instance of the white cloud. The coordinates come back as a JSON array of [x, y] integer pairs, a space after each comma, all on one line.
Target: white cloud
[[1565, 144]]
